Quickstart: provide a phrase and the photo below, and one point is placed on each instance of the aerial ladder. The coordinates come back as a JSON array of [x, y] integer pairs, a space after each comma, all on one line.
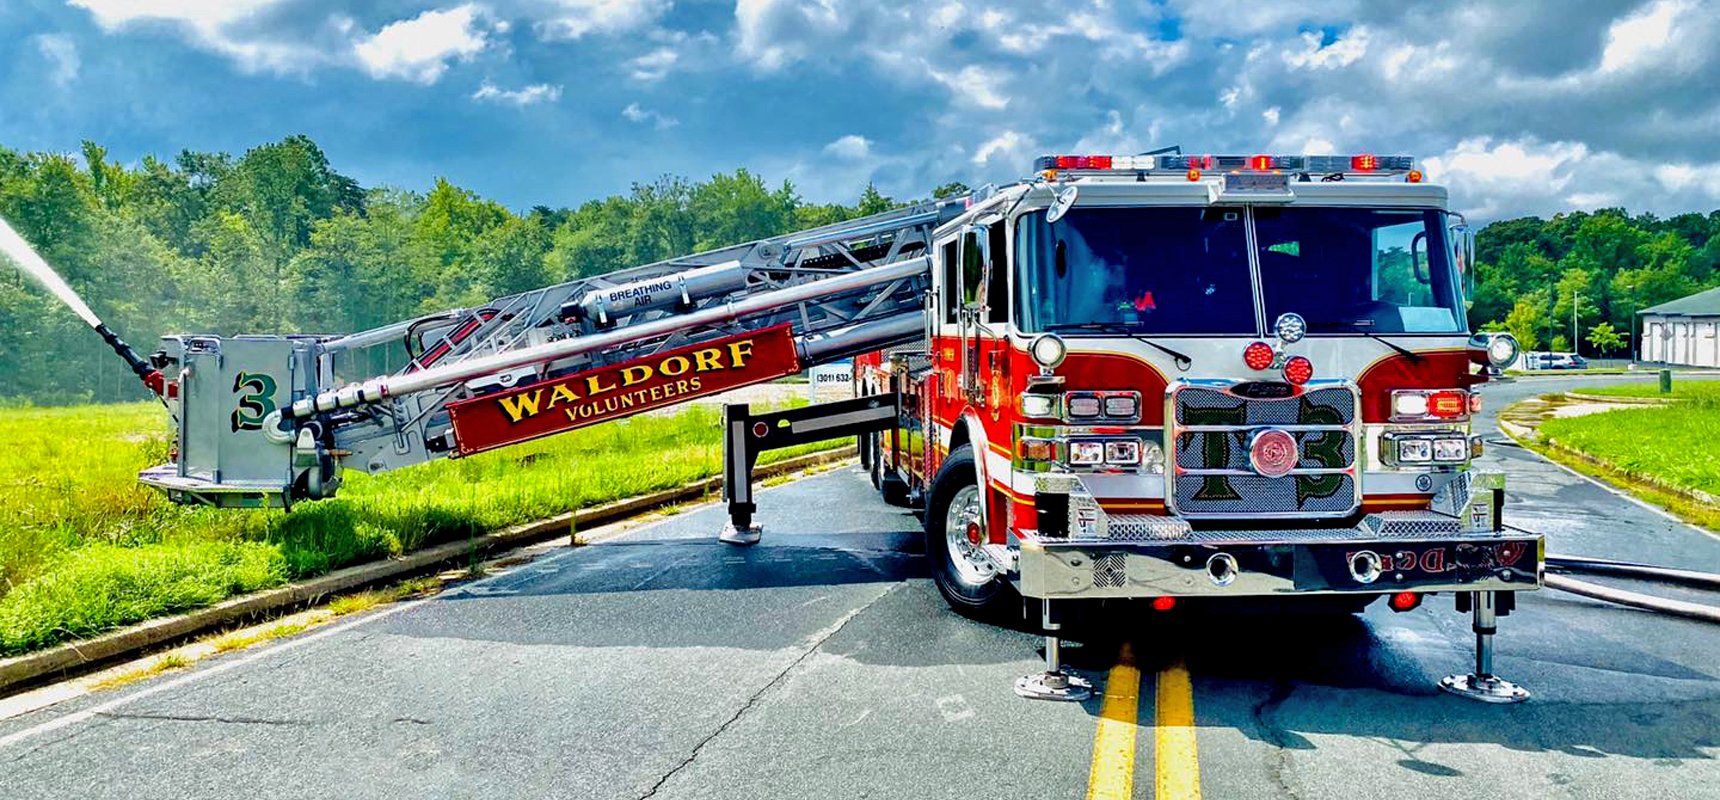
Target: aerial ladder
[[270, 420]]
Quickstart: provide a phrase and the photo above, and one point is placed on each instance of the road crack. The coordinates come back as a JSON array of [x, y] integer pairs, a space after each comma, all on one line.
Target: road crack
[[1279, 762], [203, 718], [816, 644]]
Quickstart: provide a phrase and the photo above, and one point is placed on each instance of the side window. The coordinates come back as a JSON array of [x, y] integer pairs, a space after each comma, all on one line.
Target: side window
[[952, 276], [1400, 257], [997, 291], [973, 268]]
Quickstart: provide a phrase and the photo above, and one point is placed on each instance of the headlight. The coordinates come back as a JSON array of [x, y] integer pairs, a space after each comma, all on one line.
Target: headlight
[[1038, 405], [1084, 405], [1086, 454], [1502, 351], [1048, 350], [1122, 405], [1409, 404], [1123, 452], [1450, 450], [1415, 451]]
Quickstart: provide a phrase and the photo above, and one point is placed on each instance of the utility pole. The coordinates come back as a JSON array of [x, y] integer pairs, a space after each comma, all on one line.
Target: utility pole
[[1576, 297]]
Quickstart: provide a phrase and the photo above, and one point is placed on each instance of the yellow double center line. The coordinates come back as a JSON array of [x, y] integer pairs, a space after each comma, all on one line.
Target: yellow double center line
[[1177, 766]]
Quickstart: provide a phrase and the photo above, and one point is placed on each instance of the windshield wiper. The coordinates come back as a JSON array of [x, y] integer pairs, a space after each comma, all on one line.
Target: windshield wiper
[[1413, 356], [1182, 362]]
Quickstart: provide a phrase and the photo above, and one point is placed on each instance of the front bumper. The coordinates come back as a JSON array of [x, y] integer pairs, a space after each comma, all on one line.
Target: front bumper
[[1458, 547]]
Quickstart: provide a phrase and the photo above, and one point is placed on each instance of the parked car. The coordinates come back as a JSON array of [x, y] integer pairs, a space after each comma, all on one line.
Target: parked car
[[1562, 361]]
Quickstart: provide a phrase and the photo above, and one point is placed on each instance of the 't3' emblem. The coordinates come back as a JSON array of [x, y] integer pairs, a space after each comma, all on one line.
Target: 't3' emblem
[[256, 392]]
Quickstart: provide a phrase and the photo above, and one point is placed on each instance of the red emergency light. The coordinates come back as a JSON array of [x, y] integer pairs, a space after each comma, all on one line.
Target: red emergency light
[[1364, 163], [1258, 355], [1164, 603], [1404, 601], [1448, 404], [1298, 370]]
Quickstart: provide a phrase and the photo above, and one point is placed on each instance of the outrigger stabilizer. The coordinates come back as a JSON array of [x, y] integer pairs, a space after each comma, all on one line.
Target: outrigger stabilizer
[[746, 435]]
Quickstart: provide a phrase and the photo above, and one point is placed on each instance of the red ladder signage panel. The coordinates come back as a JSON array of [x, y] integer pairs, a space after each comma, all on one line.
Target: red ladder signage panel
[[618, 390]]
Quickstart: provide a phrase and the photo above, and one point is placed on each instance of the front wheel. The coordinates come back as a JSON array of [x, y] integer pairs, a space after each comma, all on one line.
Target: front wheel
[[954, 533]]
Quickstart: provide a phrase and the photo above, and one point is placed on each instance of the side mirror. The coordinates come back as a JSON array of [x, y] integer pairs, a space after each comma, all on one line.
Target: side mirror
[[1060, 205], [1463, 250]]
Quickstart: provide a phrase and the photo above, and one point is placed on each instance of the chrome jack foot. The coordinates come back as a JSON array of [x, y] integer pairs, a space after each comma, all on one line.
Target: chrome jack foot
[[1053, 683], [1054, 686], [1486, 688], [741, 536], [1482, 684]]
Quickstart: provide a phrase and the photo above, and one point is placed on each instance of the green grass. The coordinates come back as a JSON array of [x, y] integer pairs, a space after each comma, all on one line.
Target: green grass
[[84, 548], [1682, 389], [1660, 442]]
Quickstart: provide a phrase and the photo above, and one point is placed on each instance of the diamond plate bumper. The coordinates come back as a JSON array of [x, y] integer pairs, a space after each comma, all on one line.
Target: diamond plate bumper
[[1126, 556]]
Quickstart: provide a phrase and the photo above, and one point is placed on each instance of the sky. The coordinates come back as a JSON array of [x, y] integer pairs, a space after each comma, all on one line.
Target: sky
[[1521, 107]]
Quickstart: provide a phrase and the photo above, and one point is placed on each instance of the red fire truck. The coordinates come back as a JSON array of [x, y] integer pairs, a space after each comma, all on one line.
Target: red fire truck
[[1218, 378], [1172, 379]]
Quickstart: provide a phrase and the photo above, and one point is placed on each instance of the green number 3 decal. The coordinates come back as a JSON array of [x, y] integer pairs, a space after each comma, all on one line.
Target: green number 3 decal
[[256, 404]]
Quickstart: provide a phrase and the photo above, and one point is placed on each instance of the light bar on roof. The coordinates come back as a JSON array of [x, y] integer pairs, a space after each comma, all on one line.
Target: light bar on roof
[[1131, 163], [1366, 164]]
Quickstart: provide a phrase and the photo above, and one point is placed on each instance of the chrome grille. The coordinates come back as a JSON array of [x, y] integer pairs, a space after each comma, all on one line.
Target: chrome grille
[[1209, 438]]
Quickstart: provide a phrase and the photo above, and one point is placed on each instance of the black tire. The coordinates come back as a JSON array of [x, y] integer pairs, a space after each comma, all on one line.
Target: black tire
[[980, 599], [876, 468]]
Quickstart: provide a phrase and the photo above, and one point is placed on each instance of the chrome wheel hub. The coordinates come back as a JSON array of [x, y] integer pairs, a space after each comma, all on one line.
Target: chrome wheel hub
[[963, 535]]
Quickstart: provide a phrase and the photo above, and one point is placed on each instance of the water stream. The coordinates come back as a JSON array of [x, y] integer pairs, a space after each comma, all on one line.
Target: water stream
[[13, 247]]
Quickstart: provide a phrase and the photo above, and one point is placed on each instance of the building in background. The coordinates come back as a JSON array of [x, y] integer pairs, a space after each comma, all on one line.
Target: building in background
[[1683, 332]]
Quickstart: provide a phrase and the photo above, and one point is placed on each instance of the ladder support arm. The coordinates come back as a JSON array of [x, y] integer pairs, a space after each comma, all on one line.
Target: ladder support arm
[[746, 435]]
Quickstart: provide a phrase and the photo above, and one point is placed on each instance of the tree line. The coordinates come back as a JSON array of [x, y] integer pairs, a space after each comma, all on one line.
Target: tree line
[[1574, 283], [278, 241]]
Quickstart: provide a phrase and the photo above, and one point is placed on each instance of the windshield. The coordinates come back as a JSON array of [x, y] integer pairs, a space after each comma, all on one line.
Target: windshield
[[1359, 270], [1153, 270]]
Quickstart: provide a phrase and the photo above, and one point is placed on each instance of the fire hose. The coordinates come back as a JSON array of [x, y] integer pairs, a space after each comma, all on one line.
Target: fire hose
[[1560, 567]]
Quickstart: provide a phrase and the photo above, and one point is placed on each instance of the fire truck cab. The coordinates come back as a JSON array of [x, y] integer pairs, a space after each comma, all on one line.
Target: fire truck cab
[[1193, 378]]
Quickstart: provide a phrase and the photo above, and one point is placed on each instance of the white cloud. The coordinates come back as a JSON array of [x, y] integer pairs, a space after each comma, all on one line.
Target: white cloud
[[1007, 148], [975, 85], [633, 113], [200, 14], [1641, 39], [1494, 177], [766, 29], [420, 48], [574, 19], [522, 97], [62, 53], [1343, 52], [215, 25], [852, 147], [1270, 115], [652, 66]]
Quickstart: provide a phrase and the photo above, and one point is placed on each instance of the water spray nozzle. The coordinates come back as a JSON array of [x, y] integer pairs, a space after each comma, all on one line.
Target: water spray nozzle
[[150, 376]]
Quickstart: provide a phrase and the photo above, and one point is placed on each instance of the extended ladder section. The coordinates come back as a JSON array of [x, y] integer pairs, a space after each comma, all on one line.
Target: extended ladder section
[[264, 420]]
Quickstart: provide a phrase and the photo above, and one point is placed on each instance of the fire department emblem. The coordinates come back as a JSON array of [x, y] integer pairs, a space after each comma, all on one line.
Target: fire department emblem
[[994, 396]]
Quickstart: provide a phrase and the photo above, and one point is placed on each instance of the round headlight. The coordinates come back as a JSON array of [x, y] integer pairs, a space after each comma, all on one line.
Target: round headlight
[[1502, 350], [1048, 350], [1290, 328]]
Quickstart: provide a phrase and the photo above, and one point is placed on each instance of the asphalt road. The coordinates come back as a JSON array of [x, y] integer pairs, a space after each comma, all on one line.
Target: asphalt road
[[822, 664]]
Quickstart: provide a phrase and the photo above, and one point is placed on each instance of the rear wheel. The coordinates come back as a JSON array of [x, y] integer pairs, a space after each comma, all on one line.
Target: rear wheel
[[877, 466], [954, 533]]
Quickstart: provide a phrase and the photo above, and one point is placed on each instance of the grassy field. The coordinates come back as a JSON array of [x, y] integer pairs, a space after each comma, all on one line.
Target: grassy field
[[1667, 443], [84, 548], [1682, 389]]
